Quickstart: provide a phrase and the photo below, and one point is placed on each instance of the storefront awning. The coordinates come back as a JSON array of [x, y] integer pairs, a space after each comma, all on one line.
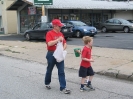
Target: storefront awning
[[18, 3]]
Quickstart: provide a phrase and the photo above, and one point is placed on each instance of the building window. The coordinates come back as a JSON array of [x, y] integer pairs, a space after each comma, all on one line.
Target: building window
[[54, 16], [85, 17], [24, 23], [54, 11], [0, 21], [29, 17], [74, 16], [65, 17]]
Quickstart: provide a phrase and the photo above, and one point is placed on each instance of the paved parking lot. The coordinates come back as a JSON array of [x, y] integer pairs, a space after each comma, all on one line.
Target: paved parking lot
[[107, 40]]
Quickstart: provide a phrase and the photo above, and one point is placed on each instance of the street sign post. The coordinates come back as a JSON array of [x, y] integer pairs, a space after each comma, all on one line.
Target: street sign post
[[44, 19], [43, 2]]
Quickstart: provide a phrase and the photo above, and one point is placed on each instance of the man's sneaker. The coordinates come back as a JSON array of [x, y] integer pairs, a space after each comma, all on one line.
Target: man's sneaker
[[66, 91], [48, 86], [82, 89], [90, 86]]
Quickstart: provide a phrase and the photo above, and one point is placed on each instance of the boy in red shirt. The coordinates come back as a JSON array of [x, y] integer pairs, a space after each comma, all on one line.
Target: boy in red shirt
[[85, 66]]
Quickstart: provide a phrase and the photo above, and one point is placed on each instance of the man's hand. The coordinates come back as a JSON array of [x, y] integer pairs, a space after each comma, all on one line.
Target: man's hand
[[60, 39], [53, 42]]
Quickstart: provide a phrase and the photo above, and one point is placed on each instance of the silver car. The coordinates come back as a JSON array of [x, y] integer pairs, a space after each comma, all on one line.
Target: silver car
[[116, 25]]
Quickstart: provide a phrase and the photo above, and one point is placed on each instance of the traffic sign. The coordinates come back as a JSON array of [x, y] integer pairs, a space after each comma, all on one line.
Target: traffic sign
[[43, 2]]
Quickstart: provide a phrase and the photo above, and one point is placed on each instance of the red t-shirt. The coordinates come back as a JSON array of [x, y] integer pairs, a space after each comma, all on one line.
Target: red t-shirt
[[52, 35], [86, 53]]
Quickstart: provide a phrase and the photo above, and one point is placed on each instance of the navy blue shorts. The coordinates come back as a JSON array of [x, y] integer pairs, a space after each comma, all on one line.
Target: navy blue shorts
[[83, 72]]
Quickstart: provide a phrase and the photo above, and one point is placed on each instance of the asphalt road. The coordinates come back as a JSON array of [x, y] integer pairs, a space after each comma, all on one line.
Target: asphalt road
[[107, 40], [20, 79]]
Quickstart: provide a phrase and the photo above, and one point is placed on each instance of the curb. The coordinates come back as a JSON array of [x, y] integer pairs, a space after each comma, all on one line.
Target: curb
[[116, 75]]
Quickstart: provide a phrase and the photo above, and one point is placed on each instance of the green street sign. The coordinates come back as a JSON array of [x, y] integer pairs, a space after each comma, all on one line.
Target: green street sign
[[43, 2]]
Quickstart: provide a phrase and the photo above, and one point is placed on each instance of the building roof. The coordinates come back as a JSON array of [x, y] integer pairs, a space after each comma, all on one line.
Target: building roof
[[17, 3], [85, 4], [89, 4]]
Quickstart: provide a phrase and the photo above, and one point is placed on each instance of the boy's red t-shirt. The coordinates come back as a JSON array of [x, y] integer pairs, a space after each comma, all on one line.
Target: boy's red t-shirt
[[86, 53], [52, 35]]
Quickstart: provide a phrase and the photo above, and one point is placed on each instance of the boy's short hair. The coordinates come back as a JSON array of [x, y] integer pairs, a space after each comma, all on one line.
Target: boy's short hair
[[87, 39]]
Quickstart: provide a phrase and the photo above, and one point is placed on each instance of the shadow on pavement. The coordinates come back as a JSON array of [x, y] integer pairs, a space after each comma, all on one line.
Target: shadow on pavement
[[16, 37], [12, 37]]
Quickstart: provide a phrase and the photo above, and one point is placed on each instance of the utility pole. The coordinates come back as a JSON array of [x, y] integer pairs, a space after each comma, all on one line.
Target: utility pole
[[43, 10]]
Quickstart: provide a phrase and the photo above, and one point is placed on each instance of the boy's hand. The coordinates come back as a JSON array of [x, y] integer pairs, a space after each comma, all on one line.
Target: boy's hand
[[91, 60], [79, 51]]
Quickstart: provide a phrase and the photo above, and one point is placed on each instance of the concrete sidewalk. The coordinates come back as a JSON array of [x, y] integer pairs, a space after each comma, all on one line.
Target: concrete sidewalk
[[111, 62]]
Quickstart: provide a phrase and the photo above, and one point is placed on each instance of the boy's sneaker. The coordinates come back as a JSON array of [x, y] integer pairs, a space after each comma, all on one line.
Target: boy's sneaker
[[82, 89], [90, 86], [85, 83], [48, 86], [65, 91]]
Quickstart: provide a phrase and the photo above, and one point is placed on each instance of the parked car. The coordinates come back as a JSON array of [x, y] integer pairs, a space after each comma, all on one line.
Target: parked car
[[116, 24], [131, 21], [81, 29], [39, 31]]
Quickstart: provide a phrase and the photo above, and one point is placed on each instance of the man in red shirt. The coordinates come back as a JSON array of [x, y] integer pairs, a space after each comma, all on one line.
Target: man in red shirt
[[52, 38]]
